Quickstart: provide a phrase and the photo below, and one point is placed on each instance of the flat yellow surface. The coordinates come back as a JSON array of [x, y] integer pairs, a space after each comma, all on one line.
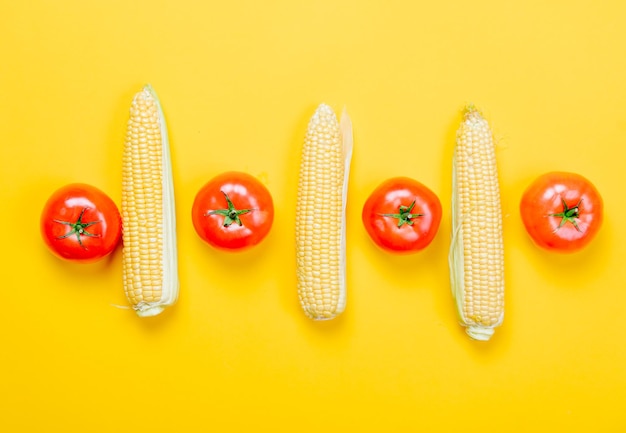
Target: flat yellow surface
[[238, 82]]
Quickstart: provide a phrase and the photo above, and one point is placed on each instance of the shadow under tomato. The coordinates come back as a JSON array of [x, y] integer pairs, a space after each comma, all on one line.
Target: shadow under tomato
[[573, 270], [236, 265]]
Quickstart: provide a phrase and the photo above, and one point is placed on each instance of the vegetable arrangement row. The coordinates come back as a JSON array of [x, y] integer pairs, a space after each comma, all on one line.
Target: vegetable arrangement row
[[234, 211]]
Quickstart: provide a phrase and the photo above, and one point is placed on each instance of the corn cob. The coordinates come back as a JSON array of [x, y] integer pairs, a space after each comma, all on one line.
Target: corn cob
[[476, 254], [149, 257], [320, 214]]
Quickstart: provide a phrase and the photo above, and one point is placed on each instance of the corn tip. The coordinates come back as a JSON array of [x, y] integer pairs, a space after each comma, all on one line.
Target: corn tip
[[149, 310], [471, 110], [324, 109], [479, 333]]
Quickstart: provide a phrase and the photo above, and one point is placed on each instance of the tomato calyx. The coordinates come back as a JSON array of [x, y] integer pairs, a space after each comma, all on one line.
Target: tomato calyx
[[404, 215], [231, 215], [569, 214], [78, 228]]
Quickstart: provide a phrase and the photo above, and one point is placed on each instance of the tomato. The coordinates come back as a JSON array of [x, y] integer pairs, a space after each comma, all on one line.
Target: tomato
[[561, 211], [233, 211], [79, 222], [402, 215]]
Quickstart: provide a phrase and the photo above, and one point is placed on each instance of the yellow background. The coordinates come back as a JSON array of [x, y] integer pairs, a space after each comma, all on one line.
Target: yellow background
[[238, 82]]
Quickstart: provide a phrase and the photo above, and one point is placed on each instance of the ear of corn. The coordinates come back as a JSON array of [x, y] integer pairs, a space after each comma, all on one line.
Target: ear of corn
[[149, 256], [476, 255], [320, 214]]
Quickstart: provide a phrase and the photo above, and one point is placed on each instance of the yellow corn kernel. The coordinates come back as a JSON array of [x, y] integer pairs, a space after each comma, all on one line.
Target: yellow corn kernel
[[149, 257], [476, 253], [320, 214]]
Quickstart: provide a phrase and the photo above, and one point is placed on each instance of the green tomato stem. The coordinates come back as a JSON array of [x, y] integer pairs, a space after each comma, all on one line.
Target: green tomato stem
[[231, 214], [78, 228], [569, 214], [404, 215]]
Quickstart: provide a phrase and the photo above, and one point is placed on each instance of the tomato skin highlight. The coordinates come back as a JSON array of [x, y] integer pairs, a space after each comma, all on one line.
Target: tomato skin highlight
[[551, 195], [247, 194], [386, 200], [101, 223]]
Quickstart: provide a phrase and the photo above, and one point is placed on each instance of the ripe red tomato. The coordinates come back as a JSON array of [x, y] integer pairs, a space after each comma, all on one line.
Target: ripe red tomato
[[79, 222], [233, 211], [402, 215], [562, 211]]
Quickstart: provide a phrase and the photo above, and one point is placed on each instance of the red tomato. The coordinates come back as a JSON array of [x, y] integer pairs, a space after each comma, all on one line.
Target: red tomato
[[562, 211], [81, 223], [402, 215], [233, 211]]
